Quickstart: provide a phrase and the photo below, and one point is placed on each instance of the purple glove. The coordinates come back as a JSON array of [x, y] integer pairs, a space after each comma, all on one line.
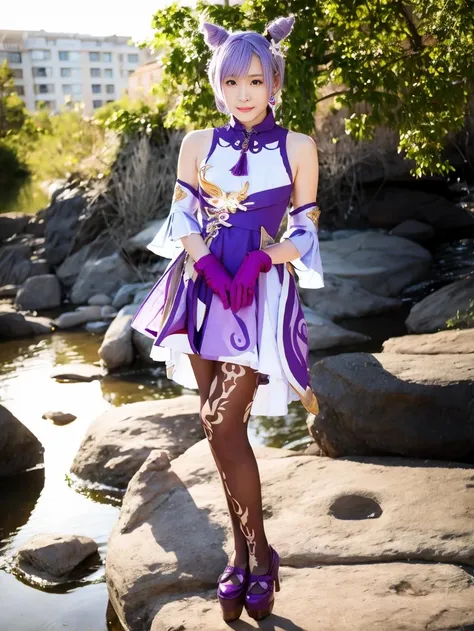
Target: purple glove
[[216, 276], [243, 285]]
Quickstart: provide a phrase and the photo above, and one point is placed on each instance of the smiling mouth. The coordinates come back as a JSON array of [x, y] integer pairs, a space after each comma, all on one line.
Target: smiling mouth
[[245, 108]]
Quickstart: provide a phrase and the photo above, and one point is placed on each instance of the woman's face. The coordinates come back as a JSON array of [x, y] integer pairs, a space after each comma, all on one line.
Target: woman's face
[[247, 97]]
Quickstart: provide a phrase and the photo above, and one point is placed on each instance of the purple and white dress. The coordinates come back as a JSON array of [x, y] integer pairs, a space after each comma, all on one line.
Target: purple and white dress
[[236, 214]]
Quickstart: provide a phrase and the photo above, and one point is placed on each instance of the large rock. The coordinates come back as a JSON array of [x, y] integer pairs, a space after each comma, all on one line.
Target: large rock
[[70, 268], [392, 205], [388, 403], [119, 441], [39, 292], [443, 342], [15, 325], [358, 520], [345, 298], [414, 230], [145, 236], [11, 224], [62, 223], [381, 264], [125, 295], [15, 264], [19, 448], [382, 596], [323, 333], [54, 557], [116, 349], [103, 276], [431, 314]]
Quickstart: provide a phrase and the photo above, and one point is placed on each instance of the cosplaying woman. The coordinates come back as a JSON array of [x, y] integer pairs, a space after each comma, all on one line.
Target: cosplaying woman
[[226, 316]]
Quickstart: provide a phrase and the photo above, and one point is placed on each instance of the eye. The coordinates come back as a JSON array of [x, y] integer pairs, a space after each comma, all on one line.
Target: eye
[[230, 82], [257, 82]]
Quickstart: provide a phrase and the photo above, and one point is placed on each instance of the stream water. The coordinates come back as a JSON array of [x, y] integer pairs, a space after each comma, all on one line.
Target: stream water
[[45, 500]]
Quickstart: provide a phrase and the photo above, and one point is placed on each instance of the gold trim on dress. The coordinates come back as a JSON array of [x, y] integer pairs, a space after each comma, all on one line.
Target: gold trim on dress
[[179, 193], [314, 216]]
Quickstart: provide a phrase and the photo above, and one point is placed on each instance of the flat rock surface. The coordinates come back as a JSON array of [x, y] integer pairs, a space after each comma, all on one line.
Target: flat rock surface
[[172, 539], [380, 597], [443, 342]]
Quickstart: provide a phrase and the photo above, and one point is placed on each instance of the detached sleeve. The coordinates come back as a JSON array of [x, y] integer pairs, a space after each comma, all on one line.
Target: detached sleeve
[[302, 230], [181, 221]]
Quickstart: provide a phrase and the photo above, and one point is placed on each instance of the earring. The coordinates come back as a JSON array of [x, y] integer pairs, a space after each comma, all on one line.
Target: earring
[[271, 100]]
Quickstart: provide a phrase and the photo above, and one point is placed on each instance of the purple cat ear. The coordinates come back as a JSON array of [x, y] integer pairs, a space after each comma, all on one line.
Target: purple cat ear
[[281, 28], [214, 35]]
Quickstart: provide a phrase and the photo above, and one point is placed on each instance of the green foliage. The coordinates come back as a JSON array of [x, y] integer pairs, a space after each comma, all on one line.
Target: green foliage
[[131, 118], [462, 319], [408, 65]]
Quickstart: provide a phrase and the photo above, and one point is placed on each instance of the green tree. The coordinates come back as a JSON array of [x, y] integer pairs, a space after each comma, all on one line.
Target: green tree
[[12, 109], [410, 64]]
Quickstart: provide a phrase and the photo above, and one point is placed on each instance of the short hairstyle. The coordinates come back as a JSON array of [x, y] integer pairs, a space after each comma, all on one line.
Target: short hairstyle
[[233, 54]]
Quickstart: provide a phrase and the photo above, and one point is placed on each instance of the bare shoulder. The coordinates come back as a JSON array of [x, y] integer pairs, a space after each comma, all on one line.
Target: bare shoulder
[[301, 150], [197, 142]]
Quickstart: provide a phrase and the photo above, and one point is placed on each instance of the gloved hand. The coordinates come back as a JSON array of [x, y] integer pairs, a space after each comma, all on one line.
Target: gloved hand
[[216, 276], [243, 285]]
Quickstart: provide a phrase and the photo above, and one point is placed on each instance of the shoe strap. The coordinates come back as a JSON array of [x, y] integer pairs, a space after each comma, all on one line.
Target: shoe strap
[[229, 571], [262, 579]]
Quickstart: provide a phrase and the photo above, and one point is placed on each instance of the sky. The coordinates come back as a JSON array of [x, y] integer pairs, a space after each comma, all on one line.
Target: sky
[[88, 17]]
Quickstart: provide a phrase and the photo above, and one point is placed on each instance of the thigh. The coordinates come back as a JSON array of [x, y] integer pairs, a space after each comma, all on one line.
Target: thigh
[[204, 370], [231, 394]]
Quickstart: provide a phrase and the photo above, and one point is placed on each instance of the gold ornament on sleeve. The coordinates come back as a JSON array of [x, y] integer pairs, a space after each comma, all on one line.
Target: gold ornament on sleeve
[[179, 193], [314, 216]]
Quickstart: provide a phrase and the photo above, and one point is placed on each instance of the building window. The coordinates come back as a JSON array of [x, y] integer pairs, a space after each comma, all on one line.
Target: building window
[[132, 58], [96, 88], [108, 73], [97, 103], [130, 72], [70, 72], [110, 89], [107, 57], [49, 105], [95, 72], [73, 89], [20, 90], [69, 55], [12, 58], [110, 101], [41, 71], [94, 56], [44, 88], [40, 55], [17, 73]]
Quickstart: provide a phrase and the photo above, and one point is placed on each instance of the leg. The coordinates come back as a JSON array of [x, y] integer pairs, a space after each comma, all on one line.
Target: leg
[[225, 416], [204, 371]]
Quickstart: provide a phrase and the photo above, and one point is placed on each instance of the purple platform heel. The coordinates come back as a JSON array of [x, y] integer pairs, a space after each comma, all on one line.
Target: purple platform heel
[[260, 606], [232, 597]]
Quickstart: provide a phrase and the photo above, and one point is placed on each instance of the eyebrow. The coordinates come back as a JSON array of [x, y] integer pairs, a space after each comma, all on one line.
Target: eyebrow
[[250, 75]]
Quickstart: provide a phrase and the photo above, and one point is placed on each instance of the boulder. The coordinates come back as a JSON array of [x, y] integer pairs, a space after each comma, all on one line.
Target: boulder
[[97, 327], [15, 264], [39, 292], [345, 298], [71, 319], [382, 264], [414, 230], [19, 448], [432, 313], [143, 345], [145, 236], [62, 223], [119, 441], [116, 349], [356, 528], [323, 333], [125, 295], [444, 342], [9, 291], [104, 275], [11, 224], [392, 205], [108, 311], [389, 403], [77, 372], [53, 557], [39, 267], [16, 325], [100, 300], [70, 268]]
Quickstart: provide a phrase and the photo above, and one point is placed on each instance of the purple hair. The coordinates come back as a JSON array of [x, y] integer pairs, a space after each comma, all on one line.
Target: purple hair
[[233, 54]]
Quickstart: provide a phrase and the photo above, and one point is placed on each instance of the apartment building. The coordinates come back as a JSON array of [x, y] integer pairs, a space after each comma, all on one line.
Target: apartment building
[[59, 68]]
